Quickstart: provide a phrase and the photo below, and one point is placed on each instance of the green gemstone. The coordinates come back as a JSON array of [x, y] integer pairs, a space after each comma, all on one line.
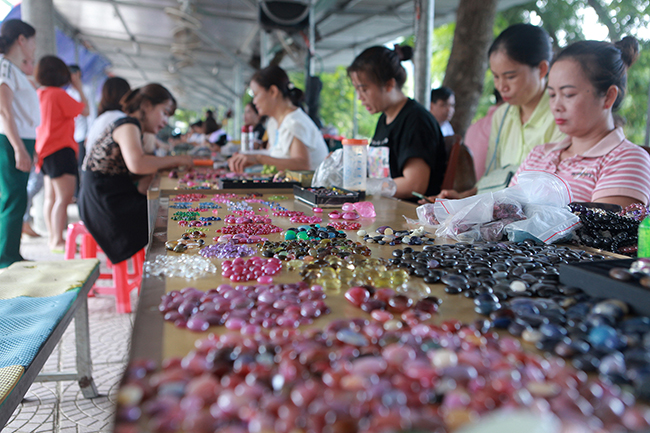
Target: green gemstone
[[303, 236], [290, 235]]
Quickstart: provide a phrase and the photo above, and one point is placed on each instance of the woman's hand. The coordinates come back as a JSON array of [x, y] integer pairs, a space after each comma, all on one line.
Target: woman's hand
[[23, 161], [75, 80], [185, 161], [240, 161], [447, 193]]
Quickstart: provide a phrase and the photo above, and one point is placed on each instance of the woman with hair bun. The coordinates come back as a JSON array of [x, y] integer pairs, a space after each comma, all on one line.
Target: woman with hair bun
[[19, 116], [112, 201], [416, 147], [586, 84], [297, 143]]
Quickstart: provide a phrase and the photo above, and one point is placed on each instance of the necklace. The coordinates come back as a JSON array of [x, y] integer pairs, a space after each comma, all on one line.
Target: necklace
[[610, 231]]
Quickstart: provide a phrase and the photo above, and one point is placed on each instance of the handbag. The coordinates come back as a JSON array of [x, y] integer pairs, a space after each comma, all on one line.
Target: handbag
[[499, 178]]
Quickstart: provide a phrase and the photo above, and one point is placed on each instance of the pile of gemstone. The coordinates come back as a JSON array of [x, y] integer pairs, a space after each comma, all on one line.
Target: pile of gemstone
[[245, 308], [354, 376]]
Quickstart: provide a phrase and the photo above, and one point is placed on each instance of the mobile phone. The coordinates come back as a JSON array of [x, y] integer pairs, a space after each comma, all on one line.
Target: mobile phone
[[420, 196], [73, 68]]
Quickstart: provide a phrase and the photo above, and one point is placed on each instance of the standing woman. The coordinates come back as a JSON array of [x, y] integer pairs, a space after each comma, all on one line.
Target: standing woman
[[19, 116], [112, 202], [519, 60], [298, 143], [417, 156], [55, 145]]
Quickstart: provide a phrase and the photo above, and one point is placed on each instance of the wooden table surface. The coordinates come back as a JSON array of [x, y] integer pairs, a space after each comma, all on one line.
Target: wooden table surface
[[156, 340]]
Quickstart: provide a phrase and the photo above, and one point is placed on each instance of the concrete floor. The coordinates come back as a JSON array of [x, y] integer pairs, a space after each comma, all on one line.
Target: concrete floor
[[60, 406]]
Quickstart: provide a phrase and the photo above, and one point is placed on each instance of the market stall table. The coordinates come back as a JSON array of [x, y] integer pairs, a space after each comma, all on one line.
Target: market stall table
[[155, 340]]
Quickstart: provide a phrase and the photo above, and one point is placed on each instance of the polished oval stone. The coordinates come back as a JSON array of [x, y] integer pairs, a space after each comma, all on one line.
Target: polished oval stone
[[352, 338], [620, 274]]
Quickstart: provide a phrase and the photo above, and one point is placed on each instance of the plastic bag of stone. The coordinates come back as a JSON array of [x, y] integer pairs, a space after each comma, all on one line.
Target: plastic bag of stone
[[330, 172], [545, 197], [386, 187], [548, 224], [473, 213]]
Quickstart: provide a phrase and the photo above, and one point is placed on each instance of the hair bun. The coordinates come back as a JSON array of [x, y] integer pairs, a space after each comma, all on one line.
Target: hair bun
[[629, 47], [404, 52]]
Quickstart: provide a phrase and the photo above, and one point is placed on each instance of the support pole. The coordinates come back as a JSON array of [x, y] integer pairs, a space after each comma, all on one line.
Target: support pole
[[355, 115], [312, 39], [423, 50], [40, 15], [264, 49], [237, 115]]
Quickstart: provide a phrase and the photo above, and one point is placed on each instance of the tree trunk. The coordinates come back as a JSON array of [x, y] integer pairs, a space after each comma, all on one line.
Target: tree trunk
[[468, 59]]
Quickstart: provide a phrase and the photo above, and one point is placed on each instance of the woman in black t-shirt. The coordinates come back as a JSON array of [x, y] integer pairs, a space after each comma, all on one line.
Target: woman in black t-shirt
[[416, 146]]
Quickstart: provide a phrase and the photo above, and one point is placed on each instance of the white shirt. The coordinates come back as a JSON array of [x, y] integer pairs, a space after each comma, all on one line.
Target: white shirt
[[297, 124], [26, 108], [446, 129], [80, 122], [99, 126]]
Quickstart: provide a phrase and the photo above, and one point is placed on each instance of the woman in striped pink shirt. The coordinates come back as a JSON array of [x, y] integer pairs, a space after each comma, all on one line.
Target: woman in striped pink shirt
[[586, 83]]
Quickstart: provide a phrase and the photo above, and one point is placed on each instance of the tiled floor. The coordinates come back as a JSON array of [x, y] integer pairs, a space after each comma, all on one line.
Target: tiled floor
[[59, 406]]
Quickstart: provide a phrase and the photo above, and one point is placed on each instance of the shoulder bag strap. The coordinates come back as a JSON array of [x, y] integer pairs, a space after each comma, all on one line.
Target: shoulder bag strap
[[496, 144]]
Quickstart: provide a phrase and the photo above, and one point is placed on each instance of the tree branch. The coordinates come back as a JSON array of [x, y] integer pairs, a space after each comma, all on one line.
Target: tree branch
[[605, 19]]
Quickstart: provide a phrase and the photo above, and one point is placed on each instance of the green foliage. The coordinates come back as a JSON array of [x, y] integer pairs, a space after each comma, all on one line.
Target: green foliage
[[443, 38], [184, 117], [559, 18]]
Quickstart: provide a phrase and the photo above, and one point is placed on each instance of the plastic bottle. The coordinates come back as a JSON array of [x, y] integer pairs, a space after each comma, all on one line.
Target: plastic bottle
[[355, 164], [644, 238], [244, 144], [251, 138]]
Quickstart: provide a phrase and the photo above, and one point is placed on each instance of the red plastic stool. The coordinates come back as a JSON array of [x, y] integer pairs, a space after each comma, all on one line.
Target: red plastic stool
[[123, 280]]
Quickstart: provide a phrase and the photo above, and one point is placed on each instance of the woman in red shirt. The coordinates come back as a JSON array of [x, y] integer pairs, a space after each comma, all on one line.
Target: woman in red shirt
[[55, 145]]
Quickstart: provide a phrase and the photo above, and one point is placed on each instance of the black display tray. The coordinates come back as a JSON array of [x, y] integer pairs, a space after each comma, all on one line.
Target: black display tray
[[594, 279], [255, 184], [314, 199]]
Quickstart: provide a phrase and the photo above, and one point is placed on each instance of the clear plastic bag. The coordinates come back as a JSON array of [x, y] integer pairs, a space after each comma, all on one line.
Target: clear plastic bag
[[541, 198], [386, 187], [330, 172]]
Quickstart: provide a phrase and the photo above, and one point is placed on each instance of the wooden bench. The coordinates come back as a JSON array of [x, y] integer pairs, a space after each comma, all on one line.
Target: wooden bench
[[78, 309]]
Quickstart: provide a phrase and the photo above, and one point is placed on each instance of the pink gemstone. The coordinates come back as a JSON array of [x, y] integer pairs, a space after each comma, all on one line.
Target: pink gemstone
[[381, 315], [350, 216], [347, 207], [357, 295], [365, 208], [265, 279], [317, 210], [334, 215], [235, 323]]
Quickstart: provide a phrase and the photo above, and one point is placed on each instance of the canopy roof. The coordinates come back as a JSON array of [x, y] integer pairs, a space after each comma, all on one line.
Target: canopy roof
[[204, 50]]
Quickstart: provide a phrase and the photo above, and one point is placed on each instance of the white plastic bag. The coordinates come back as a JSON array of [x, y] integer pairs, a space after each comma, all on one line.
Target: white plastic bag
[[544, 198], [330, 172]]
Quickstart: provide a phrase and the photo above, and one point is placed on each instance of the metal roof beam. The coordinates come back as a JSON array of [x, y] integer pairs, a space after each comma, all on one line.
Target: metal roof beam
[[388, 10], [365, 42], [158, 5], [220, 46], [206, 87]]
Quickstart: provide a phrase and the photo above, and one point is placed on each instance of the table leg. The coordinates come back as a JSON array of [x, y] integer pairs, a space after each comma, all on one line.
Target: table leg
[[84, 362]]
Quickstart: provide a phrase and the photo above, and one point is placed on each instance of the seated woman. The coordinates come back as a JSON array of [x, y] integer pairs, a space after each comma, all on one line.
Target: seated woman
[[586, 83], [417, 156], [110, 204], [519, 60], [299, 144]]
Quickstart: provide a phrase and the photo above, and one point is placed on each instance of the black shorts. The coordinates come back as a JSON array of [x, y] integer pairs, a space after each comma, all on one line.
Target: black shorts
[[61, 162]]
